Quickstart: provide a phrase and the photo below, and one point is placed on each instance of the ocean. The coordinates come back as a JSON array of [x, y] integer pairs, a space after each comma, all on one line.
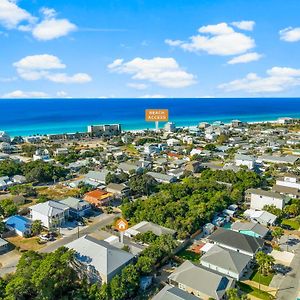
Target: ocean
[[42, 116]]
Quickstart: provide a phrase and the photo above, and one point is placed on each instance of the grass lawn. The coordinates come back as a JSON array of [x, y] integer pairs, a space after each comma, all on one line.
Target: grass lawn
[[26, 243], [291, 222], [254, 291], [190, 255], [57, 192], [265, 280]]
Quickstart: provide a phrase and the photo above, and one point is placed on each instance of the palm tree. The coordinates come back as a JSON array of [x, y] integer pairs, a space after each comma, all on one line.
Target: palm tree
[[265, 263]]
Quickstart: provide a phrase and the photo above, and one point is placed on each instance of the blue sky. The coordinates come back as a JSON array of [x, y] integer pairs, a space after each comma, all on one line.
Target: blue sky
[[150, 48]]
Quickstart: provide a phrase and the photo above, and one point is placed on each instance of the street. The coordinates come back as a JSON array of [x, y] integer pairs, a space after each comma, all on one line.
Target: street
[[290, 285], [10, 260]]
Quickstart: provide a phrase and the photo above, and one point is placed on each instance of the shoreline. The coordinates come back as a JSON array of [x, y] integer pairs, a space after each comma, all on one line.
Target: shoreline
[[134, 131]]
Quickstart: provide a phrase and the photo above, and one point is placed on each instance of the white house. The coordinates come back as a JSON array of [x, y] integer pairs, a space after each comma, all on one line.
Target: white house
[[259, 198], [51, 213], [289, 181], [245, 160], [173, 142], [41, 154]]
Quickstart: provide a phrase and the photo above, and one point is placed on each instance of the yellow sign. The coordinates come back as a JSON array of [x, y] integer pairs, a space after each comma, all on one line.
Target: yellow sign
[[121, 225], [157, 115]]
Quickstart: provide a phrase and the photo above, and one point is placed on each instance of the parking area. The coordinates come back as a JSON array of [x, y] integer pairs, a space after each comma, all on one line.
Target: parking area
[[289, 243]]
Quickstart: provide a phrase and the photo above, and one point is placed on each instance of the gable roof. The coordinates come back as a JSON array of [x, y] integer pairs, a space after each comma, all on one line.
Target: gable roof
[[226, 259], [196, 277], [249, 226], [158, 230], [236, 240], [49, 208], [104, 257], [74, 203], [173, 293]]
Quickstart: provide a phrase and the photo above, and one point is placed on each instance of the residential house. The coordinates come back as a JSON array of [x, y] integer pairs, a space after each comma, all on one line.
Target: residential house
[[225, 261], [98, 260], [78, 207], [288, 159], [19, 224], [260, 216], [52, 214], [170, 127], [98, 197], [41, 154], [173, 293], [146, 226], [200, 282], [61, 151], [128, 168], [97, 177], [289, 181], [236, 241], [4, 137], [250, 228], [119, 190], [162, 178], [173, 142], [259, 198], [245, 160], [5, 183]]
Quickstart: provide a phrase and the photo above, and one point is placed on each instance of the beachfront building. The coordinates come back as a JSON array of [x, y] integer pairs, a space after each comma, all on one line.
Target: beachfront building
[[104, 130], [4, 137], [170, 127]]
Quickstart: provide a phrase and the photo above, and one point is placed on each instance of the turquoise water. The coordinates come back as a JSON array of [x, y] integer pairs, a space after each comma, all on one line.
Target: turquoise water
[[42, 116]]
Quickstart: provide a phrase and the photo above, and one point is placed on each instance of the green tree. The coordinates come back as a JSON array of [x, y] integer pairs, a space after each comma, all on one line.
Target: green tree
[[8, 207], [142, 184], [232, 294], [36, 227], [145, 264], [2, 227], [277, 233], [265, 262]]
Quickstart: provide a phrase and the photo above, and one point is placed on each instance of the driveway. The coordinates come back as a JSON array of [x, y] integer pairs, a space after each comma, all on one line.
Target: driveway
[[289, 243], [9, 262], [290, 285]]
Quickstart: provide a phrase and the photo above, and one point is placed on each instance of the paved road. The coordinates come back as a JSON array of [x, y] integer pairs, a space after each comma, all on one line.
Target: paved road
[[11, 259], [103, 221], [290, 285]]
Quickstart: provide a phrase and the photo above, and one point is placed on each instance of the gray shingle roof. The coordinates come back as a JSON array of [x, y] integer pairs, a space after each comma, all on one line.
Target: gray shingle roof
[[196, 277], [236, 240], [173, 293], [226, 259], [49, 208], [255, 227], [100, 254]]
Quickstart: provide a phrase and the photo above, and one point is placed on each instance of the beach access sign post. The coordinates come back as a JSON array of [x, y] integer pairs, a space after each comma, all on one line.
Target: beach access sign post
[[121, 226], [157, 115]]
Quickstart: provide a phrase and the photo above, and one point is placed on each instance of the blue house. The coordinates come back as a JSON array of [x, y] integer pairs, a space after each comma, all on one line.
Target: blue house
[[19, 224]]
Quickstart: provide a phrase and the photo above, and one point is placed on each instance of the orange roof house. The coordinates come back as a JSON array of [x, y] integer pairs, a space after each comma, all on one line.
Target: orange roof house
[[98, 197]]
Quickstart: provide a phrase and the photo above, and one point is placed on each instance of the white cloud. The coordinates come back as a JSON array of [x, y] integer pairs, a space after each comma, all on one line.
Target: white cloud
[[245, 58], [290, 34], [47, 28], [40, 62], [153, 96], [164, 72], [22, 94], [278, 79], [42, 66], [53, 29], [8, 79], [64, 78], [244, 25], [137, 86], [220, 39], [11, 15]]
